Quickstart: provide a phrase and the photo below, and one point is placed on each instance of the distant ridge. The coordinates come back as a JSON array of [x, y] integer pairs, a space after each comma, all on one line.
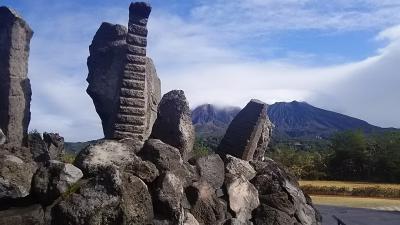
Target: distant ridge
[[293, 120]]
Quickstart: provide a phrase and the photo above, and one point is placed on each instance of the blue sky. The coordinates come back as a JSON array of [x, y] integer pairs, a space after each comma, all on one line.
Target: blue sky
[[341, 55]]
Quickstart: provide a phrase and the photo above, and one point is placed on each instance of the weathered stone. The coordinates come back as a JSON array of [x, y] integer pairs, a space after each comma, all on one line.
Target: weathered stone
[[15, 177], [190, 220], [51, 181], [265, 138], [55, 145], [109, 74], [234, 221], [30, 215], [3, 138], [243, 197], [174, 124], [245, 131], [168, 197], [145, 170], [38, 148], [205, 206], [239, 167], [164, 156], [211, 169], [281, 197], [268, 215], [102, 154], [112, 197], [15, 88]]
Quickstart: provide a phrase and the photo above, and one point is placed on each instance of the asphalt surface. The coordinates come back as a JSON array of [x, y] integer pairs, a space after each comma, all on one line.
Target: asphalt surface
[[357, 216]]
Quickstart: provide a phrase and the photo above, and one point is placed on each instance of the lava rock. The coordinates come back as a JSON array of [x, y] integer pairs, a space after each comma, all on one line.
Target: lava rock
[[55, 145], [164, 156], [174, 125], [211, 169], [30, 215], [239, 167], [15, 88], [3, 138]]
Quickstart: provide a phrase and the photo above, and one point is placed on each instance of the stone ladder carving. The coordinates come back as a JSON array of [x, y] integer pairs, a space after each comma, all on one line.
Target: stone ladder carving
[[131, 117]]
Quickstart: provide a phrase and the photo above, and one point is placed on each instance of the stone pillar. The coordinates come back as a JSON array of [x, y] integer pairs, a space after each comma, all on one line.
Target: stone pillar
[[131, 117], [15, 88]]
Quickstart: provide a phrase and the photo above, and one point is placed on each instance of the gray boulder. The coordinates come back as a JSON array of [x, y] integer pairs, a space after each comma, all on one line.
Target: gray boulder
[[243, 197], [265, 138], [15, 176], [234, 221], [211, 169], [239, 167], [15, 88], [190, 220], [53, 180], [38, 148], [174, 125], [30, 215], [111, 197], [3, 138], [281, 197], [168, 197], [55, 145], [164, 156], [145, 170], [245, 131], [205, 206], [103, 154]]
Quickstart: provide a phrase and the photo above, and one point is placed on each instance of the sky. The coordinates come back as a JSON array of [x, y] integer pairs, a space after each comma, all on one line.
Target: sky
[[340, 55]]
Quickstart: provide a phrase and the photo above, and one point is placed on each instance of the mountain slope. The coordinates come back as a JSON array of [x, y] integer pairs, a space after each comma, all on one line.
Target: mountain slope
[[292, 120]]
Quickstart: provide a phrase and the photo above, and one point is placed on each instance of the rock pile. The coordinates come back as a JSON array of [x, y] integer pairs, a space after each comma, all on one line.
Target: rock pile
[[145, 174]]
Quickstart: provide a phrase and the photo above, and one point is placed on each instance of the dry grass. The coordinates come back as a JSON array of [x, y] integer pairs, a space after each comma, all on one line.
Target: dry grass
[[355, 201], [359, 189]]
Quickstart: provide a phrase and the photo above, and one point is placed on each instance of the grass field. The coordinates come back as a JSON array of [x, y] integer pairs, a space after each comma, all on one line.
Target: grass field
[[356, 202], [360, 189]]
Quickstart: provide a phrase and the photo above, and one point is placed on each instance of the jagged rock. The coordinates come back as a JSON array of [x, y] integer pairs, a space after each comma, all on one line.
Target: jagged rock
[[102, 154], [30, 215], [265, 214], [190, 220], [205, 206], [244, 132], [281, 197], [234, 221], [55, 145], [3, 138], [239, 167], [51, 181], [243, 197], [265, 138], [164, 156], [145, 170], [174, 125], [15, 176], [109, 74], [38, 148], [111, 197], [15, 88], [211, 169], [168, 197]]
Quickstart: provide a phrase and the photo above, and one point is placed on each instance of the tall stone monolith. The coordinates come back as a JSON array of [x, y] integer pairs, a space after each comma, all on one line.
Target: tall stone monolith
[[15, 88], [123, 82], [245, 133]]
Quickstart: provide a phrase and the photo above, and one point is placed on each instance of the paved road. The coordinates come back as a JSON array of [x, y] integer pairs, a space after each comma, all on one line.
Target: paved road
[[357, 216]]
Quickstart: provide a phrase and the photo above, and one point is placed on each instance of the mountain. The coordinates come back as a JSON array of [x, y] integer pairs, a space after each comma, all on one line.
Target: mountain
[[293, 120]]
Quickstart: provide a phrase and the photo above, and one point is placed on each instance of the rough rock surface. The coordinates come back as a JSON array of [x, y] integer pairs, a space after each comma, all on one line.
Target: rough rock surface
[[106, 68], [103, 154], [15, 176], [211, 169], [190, 220], [3, 138], [245, 131], [164, 156], [53, 180], [243, 197], [282, 201], [239, 167], [265, 138], [30, 215], [38, 148], [54, 144], [15, 88], [174, 125]]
